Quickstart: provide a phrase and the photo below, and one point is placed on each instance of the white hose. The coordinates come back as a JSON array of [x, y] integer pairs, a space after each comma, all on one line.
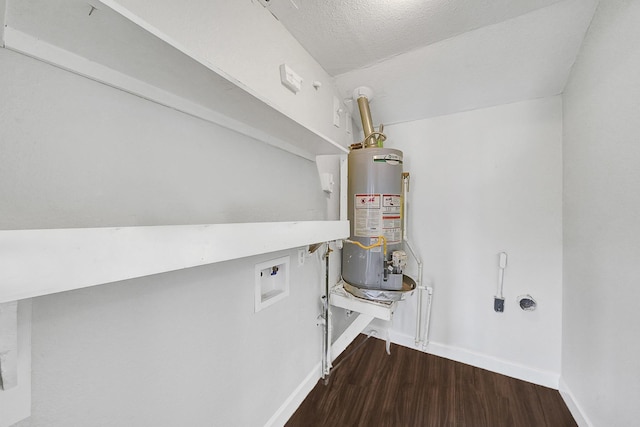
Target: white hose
[[502, 264]]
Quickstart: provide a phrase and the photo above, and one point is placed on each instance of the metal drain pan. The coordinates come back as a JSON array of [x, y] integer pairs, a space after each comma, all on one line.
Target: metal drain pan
[[408, 286]]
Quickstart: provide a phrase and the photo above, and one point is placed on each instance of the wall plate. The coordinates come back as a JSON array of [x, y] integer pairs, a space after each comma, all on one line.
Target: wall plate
[[272, 282]]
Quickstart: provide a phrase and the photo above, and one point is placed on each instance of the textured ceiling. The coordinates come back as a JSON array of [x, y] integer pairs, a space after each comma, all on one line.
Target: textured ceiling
[[422, 58], [343, 35], [425, 58]]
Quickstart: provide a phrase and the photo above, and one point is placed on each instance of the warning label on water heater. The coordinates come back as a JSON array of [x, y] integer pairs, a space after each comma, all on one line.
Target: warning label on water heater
[[378, 215]]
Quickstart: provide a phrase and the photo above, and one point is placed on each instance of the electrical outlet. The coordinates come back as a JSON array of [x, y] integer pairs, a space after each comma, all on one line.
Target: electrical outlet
[[301, 256], [498, 304]]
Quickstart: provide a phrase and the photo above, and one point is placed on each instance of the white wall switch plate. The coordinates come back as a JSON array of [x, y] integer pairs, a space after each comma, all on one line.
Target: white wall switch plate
[[290, 79]]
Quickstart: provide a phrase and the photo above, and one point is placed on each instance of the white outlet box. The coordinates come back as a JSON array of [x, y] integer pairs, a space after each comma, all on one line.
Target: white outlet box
[[302, 253], [272, 282]]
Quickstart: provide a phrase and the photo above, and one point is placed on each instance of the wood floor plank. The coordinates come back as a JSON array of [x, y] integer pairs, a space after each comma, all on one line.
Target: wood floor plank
[[369, 388]]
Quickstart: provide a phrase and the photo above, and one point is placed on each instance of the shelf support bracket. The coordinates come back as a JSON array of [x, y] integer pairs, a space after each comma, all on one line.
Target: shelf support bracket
[[8, 345]]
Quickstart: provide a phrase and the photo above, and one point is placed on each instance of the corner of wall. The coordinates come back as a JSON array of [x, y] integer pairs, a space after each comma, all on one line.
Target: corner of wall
[[575, 409]]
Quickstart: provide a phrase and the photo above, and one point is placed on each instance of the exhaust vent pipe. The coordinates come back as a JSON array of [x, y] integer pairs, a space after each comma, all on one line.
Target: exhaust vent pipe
[[362, 95]]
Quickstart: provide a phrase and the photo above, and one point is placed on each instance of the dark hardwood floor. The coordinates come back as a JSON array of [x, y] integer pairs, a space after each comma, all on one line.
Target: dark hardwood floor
[[411, 388]]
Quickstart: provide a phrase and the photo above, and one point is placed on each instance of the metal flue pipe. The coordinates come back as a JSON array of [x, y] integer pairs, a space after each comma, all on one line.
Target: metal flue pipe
[[362, 95], [367, 123]]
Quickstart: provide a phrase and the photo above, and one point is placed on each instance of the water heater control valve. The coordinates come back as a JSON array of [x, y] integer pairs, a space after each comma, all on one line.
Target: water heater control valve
[[399, 260]]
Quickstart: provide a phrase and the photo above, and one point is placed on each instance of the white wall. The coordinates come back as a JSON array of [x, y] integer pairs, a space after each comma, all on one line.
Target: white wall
[[525, 57], [482, 182], [600, 343], [79, 154], [182, 348]]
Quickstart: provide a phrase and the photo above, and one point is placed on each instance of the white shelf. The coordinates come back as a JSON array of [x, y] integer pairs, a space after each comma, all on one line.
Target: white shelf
[[41, 262], [113, 50], [339, 297]]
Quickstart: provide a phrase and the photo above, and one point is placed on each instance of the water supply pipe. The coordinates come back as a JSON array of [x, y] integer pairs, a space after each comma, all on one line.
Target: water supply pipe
[[326, 315], [420, 331]]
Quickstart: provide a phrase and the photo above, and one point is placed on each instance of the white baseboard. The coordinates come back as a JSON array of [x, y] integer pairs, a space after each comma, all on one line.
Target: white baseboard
[[483, 361], [294, 400], [574, 407]]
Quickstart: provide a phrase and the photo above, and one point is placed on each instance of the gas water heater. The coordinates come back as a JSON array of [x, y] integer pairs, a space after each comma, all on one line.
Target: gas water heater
[[373, 259]]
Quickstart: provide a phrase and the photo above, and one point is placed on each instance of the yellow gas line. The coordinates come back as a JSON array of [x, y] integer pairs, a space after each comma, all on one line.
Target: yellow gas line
[[381, 242]]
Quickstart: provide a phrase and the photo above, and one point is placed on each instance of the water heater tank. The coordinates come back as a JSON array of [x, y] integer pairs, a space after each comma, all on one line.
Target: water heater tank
[[375, 214]]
